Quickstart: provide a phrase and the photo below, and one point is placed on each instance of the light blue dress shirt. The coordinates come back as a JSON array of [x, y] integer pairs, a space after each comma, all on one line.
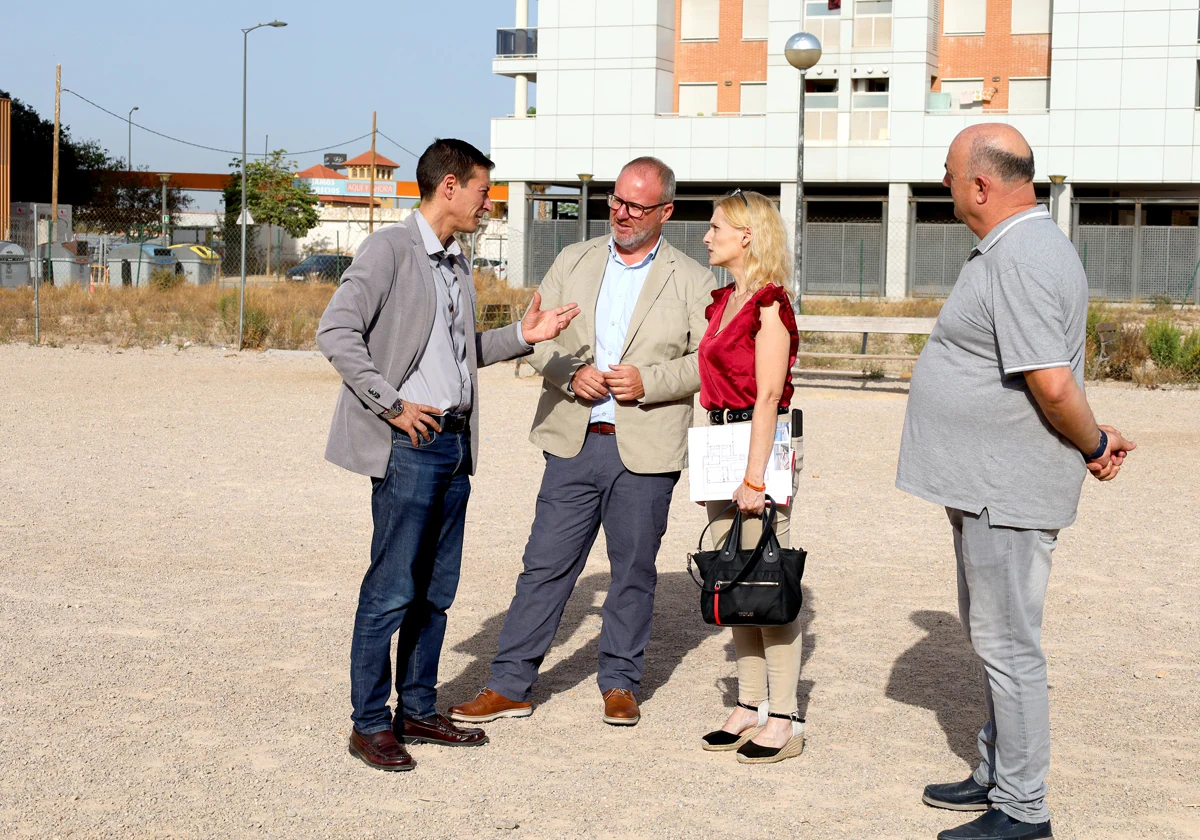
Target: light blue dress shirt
[[619, 292]]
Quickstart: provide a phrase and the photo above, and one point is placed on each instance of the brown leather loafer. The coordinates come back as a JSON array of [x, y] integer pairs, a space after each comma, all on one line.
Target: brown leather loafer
[[436, 729], [381, 750], [620, 707], [489, 706]]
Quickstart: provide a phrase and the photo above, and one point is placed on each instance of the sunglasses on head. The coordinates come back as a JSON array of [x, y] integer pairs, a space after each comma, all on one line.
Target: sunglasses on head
[[738, 192]]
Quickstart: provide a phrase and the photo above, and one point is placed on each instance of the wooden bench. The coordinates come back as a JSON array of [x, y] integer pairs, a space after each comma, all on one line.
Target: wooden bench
[[864, 324]]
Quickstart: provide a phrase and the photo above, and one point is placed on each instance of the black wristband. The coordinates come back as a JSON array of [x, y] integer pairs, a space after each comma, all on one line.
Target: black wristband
[[1100, 450]]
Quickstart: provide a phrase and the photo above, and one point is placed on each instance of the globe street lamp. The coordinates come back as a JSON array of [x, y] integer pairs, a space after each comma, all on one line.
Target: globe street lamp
[[802, 51], [129, 159], [245, 214]]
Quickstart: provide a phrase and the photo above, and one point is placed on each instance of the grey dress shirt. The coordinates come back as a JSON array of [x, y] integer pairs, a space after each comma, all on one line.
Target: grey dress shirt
[[441, 378]]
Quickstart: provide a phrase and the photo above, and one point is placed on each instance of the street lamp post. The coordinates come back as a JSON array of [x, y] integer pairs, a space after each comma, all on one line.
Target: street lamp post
[[164, 177], [584, 178], [245, 213], [802, 50], [129, 158]]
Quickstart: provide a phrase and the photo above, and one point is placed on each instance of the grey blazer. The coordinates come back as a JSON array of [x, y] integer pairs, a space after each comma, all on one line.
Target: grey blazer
[[374, 331]]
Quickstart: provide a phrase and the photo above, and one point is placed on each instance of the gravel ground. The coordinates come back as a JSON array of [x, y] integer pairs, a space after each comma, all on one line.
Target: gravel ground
[[178, 572]]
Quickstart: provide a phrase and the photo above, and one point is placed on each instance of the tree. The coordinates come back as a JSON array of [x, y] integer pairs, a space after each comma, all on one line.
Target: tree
[[274, 195], [127, 203]]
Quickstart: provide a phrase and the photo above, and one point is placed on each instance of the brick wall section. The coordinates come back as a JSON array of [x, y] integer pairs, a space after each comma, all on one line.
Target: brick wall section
[[728, 59], [996, 53]]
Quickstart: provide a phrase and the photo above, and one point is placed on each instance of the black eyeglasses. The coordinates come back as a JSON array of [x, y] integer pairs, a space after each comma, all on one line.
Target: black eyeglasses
[[738, 192], [635, 211]]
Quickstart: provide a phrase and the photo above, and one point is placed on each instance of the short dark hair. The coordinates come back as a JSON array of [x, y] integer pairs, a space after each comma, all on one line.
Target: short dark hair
[[448, 157], [666, 175], [988, 157]]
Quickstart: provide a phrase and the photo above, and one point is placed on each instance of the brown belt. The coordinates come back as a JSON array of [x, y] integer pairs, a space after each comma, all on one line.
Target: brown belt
[[602, 428]]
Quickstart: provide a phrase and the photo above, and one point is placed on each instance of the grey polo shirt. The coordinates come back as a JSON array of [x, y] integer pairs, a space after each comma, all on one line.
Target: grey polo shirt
[[974, 436], [440, 377]]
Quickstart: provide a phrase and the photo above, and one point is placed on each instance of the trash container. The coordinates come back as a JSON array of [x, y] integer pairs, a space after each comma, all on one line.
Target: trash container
[[64, 263], [132, 264], [14, 266], [197, 263]]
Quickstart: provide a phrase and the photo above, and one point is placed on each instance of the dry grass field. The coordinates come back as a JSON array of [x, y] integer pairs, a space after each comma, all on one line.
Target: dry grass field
[[179, 569]]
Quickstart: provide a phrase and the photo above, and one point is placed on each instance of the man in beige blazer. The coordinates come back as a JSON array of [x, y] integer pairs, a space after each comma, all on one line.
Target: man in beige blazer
[[615, 407]]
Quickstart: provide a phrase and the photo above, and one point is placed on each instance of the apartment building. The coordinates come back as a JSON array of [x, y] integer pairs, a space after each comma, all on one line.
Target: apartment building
[[1106, 91]]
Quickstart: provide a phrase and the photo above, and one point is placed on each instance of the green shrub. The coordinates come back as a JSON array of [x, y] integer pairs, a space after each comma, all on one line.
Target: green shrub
[[164, 279], [257, 328], [1163, 340], [1189, 356]]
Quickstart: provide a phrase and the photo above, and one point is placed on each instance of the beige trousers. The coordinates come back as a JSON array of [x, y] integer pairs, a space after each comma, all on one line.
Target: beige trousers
[[768, 658]]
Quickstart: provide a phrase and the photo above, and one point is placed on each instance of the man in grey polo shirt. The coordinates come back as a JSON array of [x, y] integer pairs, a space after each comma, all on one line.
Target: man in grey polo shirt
[[999, 431]]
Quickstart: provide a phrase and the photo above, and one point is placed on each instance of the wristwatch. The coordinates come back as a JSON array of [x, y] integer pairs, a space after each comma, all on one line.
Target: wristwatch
[[395, 411], [1101, 448]]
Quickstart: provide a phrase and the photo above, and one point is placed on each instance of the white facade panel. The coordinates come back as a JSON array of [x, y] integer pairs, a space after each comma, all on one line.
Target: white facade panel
[[1142, 83], [614, 42], [1101, 30], [1177, 164], [1146, 28]]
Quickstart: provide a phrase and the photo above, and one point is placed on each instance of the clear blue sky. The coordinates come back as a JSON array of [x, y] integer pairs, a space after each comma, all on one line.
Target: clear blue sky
[[424, 66]]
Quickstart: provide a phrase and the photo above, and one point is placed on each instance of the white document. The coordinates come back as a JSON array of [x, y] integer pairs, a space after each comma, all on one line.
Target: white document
[[717, 462]]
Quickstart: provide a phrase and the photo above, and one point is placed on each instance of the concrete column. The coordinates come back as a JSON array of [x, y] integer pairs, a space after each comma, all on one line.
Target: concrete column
[[518, 223], [896, 225], [1060, 206], [787, 209], [521, 100]]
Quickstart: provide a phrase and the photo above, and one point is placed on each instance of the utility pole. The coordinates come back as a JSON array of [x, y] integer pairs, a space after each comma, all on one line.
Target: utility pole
[[54, 174], [371, 200]]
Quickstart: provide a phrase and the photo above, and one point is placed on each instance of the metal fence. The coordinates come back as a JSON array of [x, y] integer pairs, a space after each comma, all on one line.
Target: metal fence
[[844, 258], [1106, 252], [936, 253]]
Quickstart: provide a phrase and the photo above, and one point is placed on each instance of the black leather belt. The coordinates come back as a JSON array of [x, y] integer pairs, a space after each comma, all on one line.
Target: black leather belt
[[453, 424], [721, 416]]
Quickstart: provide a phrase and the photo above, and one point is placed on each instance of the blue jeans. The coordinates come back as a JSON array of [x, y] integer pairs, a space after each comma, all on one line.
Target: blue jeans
[[419, 510]]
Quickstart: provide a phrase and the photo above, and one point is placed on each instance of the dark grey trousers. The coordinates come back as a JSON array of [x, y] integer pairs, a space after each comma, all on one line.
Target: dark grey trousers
[[578, 495]]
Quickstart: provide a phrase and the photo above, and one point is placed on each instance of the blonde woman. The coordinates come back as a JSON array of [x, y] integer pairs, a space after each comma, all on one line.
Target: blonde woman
[[746, 357]]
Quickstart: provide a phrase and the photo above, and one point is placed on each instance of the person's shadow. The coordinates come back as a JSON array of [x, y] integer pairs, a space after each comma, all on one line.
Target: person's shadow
[[941, 673], [678, 630]]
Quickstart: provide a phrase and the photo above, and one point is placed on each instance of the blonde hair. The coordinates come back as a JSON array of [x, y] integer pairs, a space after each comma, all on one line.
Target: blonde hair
[[767, 259]]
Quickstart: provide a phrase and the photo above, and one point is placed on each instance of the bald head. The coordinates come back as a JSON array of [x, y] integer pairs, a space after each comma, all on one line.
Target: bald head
[[997, 151], [989, 170]]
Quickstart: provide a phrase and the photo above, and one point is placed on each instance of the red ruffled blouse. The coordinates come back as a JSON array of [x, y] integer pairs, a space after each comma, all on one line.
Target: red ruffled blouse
[[727, 356]]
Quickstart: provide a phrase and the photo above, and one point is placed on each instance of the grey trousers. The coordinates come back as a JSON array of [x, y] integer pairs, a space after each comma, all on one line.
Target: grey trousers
[[1002, 577], [577, 496]]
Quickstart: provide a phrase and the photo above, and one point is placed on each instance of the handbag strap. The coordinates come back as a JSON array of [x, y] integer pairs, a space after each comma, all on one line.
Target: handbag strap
[[767, 539]]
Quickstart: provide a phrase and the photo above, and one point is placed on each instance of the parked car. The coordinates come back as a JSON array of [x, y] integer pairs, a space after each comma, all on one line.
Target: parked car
[[496, 267], [321, 267]]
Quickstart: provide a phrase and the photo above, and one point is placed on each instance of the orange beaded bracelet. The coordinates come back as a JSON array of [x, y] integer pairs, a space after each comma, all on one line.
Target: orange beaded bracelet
[[757, 488]]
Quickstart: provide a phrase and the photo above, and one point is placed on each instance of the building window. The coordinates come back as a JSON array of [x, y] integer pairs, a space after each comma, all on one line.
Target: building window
[[1030, 17], [754, 20], [965, 94], [699, 20], [820, 109], [754, 98], [964, 17], [869, 110], [873, 24], [1029, 95], [697, 100], [824, 22]]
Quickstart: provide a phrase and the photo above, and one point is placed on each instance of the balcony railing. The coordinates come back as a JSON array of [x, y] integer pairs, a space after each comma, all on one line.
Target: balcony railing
[[516, 43]]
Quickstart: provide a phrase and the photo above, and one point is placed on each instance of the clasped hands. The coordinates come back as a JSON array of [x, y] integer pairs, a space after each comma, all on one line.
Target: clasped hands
[[624, 382], [1106, 467]]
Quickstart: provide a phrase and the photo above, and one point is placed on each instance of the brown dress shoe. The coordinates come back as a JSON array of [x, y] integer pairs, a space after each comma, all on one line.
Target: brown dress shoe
[[620, 707], [436, 729], [381, 750], [489, 706]]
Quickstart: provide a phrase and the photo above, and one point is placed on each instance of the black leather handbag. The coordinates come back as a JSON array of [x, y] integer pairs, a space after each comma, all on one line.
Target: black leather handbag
[[759, 587]]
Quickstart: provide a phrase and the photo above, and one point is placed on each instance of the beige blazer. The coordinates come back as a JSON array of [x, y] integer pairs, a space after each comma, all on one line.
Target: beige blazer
[[664, 332]]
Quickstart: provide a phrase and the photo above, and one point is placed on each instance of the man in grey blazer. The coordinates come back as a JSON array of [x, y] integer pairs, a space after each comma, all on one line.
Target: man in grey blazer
[[401, 332], [613, 417]]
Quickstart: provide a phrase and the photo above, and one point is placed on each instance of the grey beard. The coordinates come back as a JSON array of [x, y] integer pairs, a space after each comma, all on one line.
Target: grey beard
[[634, 241]]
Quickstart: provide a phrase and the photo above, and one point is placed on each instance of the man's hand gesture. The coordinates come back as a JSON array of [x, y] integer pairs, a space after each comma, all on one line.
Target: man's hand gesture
[[417, 419], [539, 325]]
